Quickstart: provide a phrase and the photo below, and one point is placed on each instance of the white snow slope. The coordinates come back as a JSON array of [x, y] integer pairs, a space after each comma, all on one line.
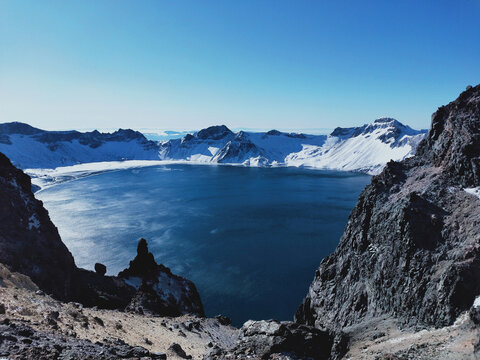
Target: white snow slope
[[366, 148], [29, 147]]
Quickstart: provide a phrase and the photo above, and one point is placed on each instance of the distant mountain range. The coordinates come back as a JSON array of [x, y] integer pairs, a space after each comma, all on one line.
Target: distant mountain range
[[29, 147], [366, 148]]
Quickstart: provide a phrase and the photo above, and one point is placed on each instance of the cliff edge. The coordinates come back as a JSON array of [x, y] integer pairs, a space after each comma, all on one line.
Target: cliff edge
[[411, 248]]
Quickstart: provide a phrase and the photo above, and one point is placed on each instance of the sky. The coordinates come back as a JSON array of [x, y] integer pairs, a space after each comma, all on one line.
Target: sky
[[185, 65]]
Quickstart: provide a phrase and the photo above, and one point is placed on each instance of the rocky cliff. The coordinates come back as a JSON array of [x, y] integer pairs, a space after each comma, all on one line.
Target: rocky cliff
[[29, 242], [411, 248]]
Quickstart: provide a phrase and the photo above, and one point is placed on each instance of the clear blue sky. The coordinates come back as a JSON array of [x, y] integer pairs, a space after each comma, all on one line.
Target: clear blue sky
[[253, 64]]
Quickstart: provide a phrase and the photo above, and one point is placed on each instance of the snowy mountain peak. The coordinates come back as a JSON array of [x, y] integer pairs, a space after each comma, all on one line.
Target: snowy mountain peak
[[366, 148], [387, 130], [395, 125], [388, 120], [216, 132]]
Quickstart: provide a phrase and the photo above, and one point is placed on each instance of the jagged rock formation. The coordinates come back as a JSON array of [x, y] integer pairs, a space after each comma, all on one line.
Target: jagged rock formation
[[281, 340], [30, 244], [158, 290], [411, 248]]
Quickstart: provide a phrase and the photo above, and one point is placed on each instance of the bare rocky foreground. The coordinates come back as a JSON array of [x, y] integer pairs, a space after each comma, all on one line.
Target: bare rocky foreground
[[404, 282], [36, 326]]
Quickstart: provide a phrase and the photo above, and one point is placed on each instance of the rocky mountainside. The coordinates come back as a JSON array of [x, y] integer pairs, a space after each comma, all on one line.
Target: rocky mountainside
[[366, 148], [30, 244], [411, 248], [29, 147]]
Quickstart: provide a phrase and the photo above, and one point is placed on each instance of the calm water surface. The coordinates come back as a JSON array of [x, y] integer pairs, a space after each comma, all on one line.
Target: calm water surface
[[249, 238]]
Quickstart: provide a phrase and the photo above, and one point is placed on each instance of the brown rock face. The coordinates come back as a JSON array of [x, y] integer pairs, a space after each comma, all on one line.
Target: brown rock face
[[411, 248]]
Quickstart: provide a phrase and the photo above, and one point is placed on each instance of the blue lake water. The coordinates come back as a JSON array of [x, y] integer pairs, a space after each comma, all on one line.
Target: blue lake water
[[249, 238]]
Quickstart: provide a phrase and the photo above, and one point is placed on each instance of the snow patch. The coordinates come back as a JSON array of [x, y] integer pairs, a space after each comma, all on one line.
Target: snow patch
[[473, 191], [476, 303], [134, 281], [33, 222]]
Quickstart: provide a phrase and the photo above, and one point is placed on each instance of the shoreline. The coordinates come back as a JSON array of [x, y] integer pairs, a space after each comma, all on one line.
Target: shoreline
[[44, 178]]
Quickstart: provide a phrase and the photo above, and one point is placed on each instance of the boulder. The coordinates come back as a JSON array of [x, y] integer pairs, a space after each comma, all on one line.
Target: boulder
[[273, 339], [100, 269]]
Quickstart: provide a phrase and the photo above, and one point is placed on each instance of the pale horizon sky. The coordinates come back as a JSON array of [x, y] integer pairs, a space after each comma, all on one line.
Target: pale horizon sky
[[186, 65]]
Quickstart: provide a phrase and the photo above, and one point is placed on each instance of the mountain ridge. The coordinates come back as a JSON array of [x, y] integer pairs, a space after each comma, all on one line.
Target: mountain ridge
[[274, 148], [30, 147], [366, 148]]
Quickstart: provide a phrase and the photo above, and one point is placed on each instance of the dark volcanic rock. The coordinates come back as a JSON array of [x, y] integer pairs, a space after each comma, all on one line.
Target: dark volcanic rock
[[107, 292], [411, 247], [177, 349], [100, 269], [18, 341], [158, 290], [29, 242], [268, 339], [224, 320], [214, 132]]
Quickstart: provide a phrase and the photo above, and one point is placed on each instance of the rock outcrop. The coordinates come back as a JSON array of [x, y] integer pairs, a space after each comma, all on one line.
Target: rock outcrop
[[411, 248], [281, 340], [214, 133], [158, 290]]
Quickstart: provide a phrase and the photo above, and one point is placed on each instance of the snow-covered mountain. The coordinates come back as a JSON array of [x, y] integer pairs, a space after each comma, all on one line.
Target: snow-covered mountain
[[29, 147], [366, 148]]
